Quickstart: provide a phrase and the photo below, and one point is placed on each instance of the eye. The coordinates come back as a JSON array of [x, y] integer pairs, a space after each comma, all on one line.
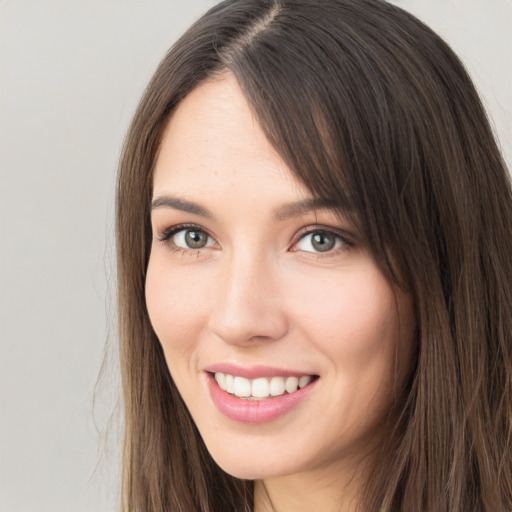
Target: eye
[[319, 241], [191, 239], [187, 237]]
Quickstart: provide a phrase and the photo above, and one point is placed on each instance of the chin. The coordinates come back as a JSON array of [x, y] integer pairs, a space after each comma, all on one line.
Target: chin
[[240, 465], [254, 462], [248, 471]]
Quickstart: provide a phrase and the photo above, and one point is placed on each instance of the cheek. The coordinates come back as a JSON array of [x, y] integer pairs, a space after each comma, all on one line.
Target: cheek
[[357, 324], [176, 303], [352, 311]]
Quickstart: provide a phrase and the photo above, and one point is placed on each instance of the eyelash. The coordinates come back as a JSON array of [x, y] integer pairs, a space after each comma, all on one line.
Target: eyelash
[[167, 234], [346, 242], [172, 230]]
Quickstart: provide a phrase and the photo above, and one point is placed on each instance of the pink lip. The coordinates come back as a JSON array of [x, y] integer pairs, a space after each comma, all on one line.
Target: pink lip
[[252, 372], [257, 411]]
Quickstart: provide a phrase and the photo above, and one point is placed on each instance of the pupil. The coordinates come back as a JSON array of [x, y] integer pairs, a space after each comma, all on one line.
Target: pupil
[[323, 242], [195, 239]]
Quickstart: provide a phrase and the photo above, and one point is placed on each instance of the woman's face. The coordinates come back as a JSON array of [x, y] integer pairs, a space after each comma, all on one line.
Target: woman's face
[[284, 339]]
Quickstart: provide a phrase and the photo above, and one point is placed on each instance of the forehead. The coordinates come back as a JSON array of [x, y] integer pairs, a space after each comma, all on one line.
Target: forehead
[[213, 143]]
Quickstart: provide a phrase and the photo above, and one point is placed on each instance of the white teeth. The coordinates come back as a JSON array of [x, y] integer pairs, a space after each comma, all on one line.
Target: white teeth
[[228, 383], [304, 381], [276, 386], [291, 384], [221, 379], [242, 387], [261, 387]]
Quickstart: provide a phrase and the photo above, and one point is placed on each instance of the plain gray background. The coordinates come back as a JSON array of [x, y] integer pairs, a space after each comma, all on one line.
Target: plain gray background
[[71, 74]]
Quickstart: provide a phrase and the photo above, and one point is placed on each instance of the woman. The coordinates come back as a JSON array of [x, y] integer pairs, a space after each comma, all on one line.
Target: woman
[[314, 234]]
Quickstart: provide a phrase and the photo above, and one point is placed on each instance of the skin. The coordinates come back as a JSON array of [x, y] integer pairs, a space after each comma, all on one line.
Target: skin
[[260, 293]]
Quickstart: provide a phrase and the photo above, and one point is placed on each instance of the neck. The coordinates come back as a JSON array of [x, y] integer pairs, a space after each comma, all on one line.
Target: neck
[[303, 492]]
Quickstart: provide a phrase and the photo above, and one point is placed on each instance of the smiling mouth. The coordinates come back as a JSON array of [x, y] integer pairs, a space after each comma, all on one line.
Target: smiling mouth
[[261, 388]]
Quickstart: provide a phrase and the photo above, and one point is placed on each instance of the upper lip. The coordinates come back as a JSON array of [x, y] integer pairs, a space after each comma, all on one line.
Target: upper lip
[[254, 371]]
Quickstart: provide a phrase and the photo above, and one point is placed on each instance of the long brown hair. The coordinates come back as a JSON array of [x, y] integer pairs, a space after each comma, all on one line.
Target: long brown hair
[[368, 107]]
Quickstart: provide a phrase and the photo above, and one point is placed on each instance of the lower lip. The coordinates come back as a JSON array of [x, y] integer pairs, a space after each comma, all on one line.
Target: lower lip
[[255, 411]]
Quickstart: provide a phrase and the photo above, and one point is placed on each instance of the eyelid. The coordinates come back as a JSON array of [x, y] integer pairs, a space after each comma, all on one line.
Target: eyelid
[[169, 232], [345, 237]]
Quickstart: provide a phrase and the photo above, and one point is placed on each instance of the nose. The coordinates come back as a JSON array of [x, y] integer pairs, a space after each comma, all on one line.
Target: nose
[[247, 305]]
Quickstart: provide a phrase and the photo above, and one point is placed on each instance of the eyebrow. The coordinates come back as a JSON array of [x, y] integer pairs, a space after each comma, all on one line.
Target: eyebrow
[[305, 206], [282, 213], [180, 204]]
